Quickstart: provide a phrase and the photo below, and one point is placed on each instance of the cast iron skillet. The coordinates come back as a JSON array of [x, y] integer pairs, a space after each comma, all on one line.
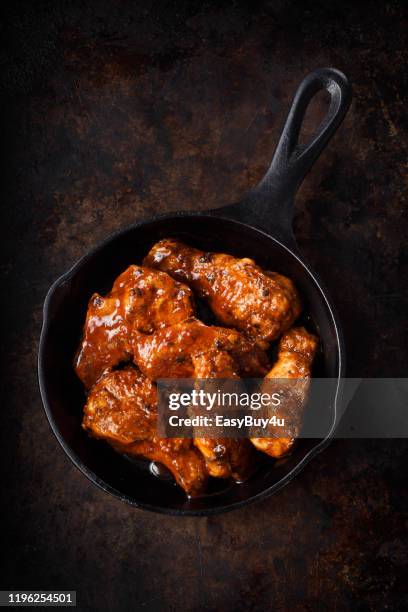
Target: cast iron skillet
[[259, 227]]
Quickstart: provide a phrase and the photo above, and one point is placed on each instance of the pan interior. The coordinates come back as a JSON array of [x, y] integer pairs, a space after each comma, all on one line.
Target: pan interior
[[63, 394]]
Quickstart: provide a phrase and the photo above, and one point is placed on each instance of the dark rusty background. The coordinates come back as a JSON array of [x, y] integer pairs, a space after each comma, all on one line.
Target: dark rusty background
[[116, 110]]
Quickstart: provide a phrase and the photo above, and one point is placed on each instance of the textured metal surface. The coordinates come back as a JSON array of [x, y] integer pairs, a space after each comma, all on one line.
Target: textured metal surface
[[114, 111]]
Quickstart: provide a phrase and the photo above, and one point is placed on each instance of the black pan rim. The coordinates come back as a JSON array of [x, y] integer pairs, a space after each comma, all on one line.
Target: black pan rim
[[173, 511]]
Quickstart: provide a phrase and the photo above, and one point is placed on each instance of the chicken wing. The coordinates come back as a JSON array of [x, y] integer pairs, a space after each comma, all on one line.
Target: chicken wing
[[178, 455], [141, 299], [169, 352], [224, 457], [122, 409], [240, 293], [297, 349]]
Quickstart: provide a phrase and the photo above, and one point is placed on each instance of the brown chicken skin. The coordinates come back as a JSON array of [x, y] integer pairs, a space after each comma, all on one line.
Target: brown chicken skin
[[141, 299], [169, 352], [214, 363], [224, 457], [240, 293], [297, 349], [193, 349], [122, 409]]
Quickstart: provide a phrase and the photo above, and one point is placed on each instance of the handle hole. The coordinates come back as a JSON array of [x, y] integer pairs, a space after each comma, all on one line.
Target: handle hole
[[315, 113]]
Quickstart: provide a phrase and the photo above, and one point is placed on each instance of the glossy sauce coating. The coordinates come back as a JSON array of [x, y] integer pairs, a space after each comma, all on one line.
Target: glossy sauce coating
[[240, 293], [148, 317], [297, 349], [178, 455], [141, 299], [169, 352], [192, 349], [224, 457], [122, 409]]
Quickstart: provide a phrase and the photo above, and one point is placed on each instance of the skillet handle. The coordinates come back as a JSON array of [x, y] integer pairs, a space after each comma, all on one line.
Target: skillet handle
[[291, 160], [270, 204]]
